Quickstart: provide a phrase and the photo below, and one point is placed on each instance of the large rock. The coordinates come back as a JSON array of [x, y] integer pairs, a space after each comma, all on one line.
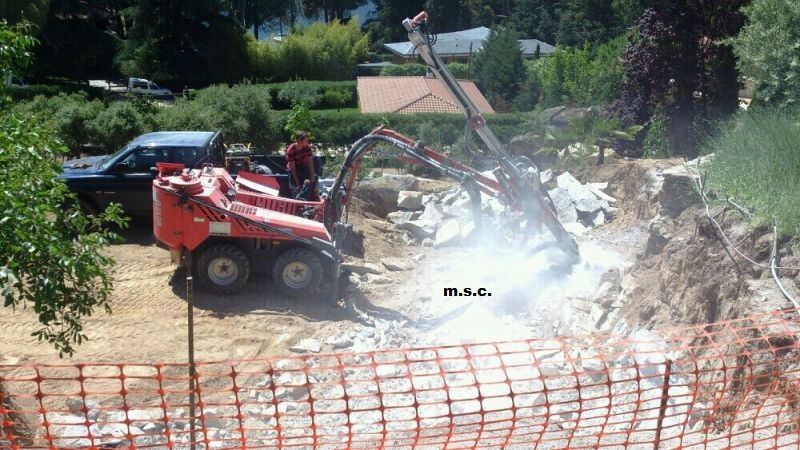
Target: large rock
[[409, 200], [306, 346], [561, 116], [659, 233], [397, 264], [586, 202], [362, 268], [380, 194], [677, 192], [402, 216], [448, 233], [563, 203], [419, 229]]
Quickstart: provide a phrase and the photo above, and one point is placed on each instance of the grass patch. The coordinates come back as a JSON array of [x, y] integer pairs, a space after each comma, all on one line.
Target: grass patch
[[757, 164]]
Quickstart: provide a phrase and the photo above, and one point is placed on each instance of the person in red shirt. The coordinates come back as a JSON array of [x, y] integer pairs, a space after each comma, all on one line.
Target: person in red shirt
[[300, 165]]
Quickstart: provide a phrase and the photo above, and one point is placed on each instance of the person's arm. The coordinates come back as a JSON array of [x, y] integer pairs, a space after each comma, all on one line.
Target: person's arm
[[290, 164], [313, 169]]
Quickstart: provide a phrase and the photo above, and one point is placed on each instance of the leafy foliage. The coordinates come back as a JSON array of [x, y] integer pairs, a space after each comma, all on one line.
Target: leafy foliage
[[243, 113], [498, 68], [768, 51], [765, 180], [677, 61], [52, 257], [404, 70], [300, 118], [319, 52], [574, 76], [183, 42]]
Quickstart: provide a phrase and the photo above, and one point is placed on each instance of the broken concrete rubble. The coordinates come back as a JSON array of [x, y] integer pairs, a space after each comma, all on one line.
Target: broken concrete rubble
[[306, 346], [362, 268], [409, 200], [396, 264]]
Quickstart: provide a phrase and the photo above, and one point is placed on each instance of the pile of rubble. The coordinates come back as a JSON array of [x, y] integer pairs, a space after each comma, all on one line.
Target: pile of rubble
[[445, 218]]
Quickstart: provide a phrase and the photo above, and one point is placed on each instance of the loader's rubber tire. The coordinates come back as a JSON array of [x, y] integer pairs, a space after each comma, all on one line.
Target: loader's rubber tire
[[298, 272], [222, 269]]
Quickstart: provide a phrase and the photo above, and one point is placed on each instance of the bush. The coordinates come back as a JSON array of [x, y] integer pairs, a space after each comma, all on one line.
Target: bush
[[116, 126], [574, 76], [69, 114], [319, 52], [757, 163], [404, 70], [285, 95], [768, 53], [242, 112], [22, 93]]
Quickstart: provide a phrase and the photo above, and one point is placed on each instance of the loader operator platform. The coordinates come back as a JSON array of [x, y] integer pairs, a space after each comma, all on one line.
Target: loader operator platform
[[300, 165]]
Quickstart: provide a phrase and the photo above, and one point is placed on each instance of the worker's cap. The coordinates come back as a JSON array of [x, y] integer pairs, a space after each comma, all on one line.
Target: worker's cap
[[299, 135]]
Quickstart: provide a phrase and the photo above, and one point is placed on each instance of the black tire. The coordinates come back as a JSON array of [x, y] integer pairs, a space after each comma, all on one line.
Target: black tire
[[298, 272], [222, 269]]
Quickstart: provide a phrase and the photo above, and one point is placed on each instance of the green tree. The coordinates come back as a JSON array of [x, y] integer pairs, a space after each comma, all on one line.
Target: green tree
[[183, 42], [498, 68], [255, 13], [768, 51], [330, 9], [51, 259], [32, 11], [387, 26]]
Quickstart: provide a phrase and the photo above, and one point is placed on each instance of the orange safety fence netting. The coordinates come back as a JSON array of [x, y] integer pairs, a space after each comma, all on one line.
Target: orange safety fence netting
[[729, 384]]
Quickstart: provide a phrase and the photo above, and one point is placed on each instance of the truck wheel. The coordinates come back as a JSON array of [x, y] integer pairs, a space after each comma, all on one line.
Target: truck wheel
[[222, 269], [297, 272]]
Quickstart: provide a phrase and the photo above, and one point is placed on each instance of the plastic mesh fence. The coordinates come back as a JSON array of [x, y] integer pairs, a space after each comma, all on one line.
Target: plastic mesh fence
[[733, 384]]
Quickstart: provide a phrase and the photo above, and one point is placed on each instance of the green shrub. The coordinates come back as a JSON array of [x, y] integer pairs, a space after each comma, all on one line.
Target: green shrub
[[116, 126], [757, 163], [69, 114], [404, 70], [319, 52], [575, 76], [295, 93], [242, 112], [459, 70], [20, 93]]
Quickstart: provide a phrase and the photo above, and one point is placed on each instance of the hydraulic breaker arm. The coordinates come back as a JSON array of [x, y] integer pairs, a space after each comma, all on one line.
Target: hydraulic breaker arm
[[518, 177]]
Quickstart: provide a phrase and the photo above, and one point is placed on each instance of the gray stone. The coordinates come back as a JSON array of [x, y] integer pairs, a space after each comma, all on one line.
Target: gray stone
[[362, 268], [546, 176], [402, 216], [378, 279], [308, 345], [428, 242], [419, 229], [677, 192], [563, 203], [339, 342], [467, 229], [575, 228], [380, 194], [396, 264], [409, 199], [599, 219], [659, 234], [448, 233]]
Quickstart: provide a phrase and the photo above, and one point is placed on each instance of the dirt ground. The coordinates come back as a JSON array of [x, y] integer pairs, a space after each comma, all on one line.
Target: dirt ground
[[148, 323]]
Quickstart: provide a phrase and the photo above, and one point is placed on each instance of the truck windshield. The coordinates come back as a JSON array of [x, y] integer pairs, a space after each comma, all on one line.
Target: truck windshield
[[109, 160]]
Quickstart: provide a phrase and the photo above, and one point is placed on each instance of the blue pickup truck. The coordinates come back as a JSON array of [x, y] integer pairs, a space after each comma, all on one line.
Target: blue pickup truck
[[126, 176]]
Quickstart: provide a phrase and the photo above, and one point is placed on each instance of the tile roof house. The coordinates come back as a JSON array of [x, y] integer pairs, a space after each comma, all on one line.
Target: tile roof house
[[414, 94], [459, 45]]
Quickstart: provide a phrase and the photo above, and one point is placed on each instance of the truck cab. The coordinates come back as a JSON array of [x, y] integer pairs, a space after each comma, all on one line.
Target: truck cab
[[126, 176]]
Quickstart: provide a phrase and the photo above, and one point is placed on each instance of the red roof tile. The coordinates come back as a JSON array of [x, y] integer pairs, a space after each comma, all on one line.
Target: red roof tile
[[414, 94]]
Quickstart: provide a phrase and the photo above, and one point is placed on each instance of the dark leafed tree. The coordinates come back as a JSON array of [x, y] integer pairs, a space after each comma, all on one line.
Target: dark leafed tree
[[32, 11], [183, 42], [677, 63], [446, 16], [330, 10], [498, 68], [387, 25], [254, 14], [79, 40]]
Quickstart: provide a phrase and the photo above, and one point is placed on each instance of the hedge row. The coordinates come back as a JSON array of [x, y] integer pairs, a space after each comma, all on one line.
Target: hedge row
[[24, 93], [244, 114]]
